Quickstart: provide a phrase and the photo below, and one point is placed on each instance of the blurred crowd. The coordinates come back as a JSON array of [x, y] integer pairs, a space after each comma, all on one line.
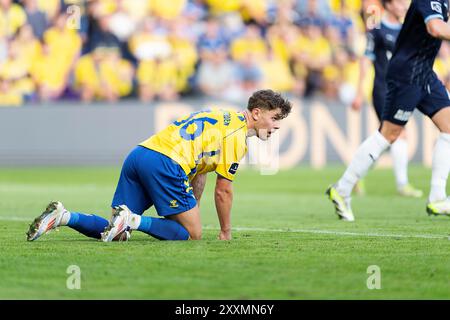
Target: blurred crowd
[[90, 50]]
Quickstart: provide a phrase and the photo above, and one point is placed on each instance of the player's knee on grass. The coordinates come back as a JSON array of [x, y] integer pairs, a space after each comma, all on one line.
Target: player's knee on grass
[[194, 230], [190, 220], [195, 234]]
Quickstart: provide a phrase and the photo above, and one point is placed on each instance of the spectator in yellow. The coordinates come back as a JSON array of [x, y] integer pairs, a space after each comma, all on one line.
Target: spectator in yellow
[[353, 6], [24, 50], [250, 42], [9, 97], [287, 44], [255, 10], [157, 78], [103, 74], [29, 47], [280, 37], [276, 73], [220, 7], [64, 44], [350, 69], [15, 70], [167, 10], [316, 48], [12, 17], [185, 54], [333, 74], [341, 77], [50, 75], [118, 73], [314, 53], [50, 7]]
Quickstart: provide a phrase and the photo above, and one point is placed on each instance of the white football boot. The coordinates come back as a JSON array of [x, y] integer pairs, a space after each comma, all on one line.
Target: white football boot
[[118, 227], [341, 205], [439, 208], [409, 191], [48, 220]]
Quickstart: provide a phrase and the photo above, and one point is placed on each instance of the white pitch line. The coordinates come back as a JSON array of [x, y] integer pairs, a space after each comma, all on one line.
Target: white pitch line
[[310, 231], [338, 233], [15, 219]]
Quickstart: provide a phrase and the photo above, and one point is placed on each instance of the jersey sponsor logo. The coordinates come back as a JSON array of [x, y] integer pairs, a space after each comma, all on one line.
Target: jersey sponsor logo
[[233, 168], [436, 6], [390, 38], [388, 55], [403, 115], [173, 204]]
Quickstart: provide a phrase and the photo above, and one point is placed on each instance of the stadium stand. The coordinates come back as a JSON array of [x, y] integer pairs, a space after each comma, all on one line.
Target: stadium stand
[[107, 50]]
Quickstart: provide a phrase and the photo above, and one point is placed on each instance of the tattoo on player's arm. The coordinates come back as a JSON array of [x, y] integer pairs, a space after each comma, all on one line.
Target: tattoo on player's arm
[[198, 185]]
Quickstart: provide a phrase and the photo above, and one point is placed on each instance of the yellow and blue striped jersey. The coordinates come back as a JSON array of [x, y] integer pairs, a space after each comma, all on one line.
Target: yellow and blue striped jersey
[[205, 141]]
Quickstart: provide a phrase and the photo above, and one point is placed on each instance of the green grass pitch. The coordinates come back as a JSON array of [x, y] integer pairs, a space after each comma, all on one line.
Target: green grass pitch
[[288, 243]]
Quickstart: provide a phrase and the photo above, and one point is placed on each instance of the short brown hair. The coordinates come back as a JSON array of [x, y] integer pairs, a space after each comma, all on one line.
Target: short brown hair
[[269, 100], [385, 2]]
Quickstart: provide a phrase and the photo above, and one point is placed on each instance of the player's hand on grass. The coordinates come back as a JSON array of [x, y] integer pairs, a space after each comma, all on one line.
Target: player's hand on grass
[[224, 235]]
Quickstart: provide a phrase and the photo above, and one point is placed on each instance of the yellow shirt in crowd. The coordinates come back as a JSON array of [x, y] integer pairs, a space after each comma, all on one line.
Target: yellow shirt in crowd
[[218, 7], [50, 7], [11, 20], [96, 74], [167, 9], [241, 47], [65, 45], [157, 75]]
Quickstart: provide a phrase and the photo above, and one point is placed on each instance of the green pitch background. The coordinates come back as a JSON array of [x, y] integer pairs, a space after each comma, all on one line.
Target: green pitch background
[[293, 248]]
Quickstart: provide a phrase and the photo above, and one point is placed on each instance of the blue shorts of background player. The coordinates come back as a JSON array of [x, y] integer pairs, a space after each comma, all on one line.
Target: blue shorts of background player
[[147, 179], [378, 99], [402, 98]]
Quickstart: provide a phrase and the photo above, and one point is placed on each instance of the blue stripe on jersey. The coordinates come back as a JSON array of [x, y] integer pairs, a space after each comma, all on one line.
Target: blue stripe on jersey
[[370, 56], [433, 16]]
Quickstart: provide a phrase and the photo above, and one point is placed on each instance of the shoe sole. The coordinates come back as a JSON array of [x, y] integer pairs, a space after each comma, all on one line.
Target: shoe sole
[[432, 213], [415, 196], [36, 227], [328, 193]]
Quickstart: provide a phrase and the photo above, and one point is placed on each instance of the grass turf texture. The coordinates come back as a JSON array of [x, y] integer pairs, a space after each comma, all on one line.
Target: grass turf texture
[[256, 264]]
